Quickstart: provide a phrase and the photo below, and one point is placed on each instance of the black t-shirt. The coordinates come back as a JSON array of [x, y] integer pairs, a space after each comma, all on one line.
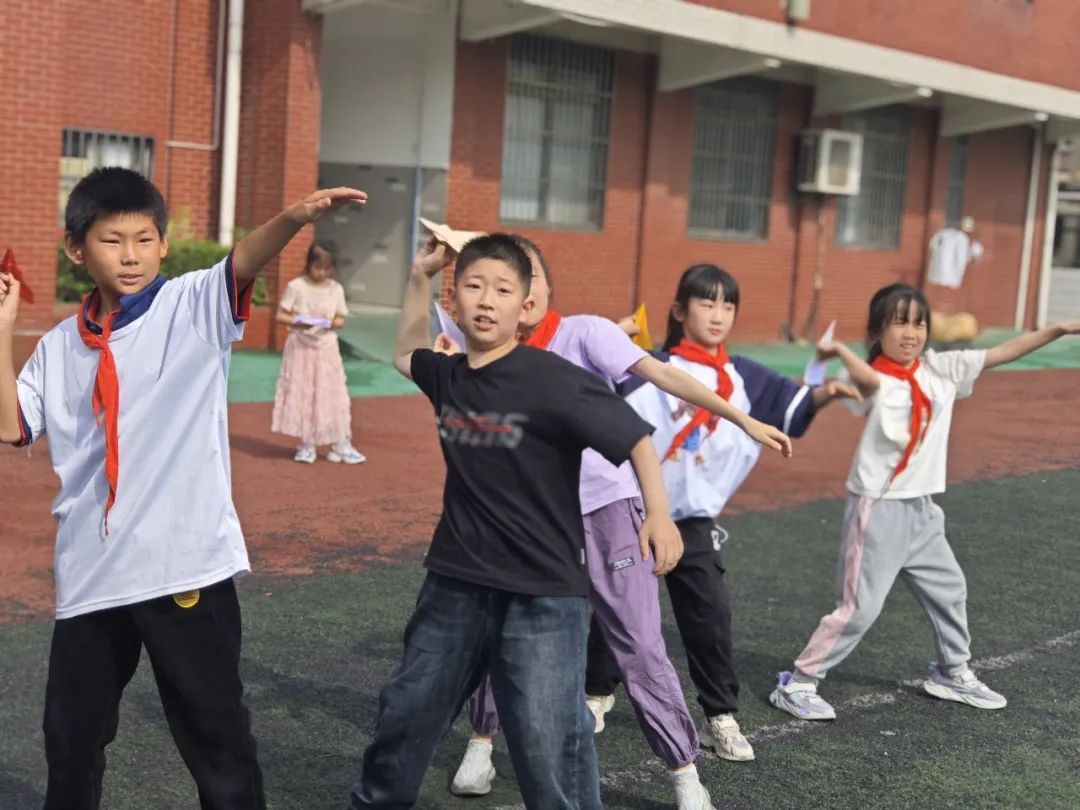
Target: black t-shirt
[[512, 433]]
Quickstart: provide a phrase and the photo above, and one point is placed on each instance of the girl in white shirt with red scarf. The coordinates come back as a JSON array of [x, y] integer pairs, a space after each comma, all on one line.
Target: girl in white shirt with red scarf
[[892, 527]]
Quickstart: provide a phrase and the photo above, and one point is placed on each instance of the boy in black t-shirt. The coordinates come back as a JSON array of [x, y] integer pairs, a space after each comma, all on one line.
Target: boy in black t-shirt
[[506, 585]]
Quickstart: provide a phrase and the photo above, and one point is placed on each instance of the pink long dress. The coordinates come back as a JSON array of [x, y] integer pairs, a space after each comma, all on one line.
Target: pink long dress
[[312, 401]]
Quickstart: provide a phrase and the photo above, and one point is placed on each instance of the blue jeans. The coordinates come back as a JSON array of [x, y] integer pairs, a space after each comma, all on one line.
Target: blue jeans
[[534, 649]]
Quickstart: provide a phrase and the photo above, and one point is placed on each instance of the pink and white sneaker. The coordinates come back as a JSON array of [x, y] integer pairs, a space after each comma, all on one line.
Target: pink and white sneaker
[[345, 453]]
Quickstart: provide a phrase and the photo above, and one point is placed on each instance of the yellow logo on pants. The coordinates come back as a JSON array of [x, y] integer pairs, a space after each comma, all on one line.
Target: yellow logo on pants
[[187, 599]]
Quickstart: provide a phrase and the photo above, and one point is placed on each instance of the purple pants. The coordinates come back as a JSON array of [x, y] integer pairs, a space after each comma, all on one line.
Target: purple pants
[[625, 599]]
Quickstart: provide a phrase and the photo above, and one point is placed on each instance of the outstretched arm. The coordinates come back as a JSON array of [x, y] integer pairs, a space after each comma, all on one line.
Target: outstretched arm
[[268, 240], [658, 531], [679, 384], [1025, 344], [10, 432], [414, 328], [861, 372]]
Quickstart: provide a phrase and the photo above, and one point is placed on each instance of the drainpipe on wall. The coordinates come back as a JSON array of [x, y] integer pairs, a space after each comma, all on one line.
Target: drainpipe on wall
[[1037, 147], [230, 145], [1047, 266], [215, 138], [639, 248]]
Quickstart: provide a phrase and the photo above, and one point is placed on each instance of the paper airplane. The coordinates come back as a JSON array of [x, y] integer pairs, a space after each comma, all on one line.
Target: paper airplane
[[9, 265]]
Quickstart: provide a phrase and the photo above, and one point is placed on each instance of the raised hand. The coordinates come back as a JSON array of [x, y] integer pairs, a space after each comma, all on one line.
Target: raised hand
[[444, 344], [432, 257], [827, 350], [9, 299], [316, 205]]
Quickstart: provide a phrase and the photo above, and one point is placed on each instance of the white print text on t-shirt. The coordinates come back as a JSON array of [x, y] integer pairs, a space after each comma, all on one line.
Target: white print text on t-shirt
[[481, 429]]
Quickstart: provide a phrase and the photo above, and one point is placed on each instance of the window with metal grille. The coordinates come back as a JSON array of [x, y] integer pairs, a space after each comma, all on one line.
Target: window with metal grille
[[872, 219], [555, 141], [954, 199], [732, 161], [82, 151]]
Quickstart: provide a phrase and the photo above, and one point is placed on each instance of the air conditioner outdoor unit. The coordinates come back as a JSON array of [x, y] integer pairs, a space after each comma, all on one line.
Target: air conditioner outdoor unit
[[830, 161]]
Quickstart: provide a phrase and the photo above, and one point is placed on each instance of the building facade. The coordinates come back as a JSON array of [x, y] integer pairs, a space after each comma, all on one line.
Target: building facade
[[628, 138]]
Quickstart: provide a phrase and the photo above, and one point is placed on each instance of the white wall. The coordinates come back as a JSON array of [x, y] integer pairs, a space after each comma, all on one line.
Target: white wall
[[387, 86]]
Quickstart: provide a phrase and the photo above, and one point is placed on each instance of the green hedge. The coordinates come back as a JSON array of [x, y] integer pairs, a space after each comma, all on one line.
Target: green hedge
[[186, 253]]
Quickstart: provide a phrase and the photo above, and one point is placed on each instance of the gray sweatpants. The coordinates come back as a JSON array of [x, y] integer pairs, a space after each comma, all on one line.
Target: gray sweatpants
[[883, 539]]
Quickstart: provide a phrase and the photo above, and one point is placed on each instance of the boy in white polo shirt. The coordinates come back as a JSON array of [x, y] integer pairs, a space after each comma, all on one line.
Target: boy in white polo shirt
[[131, 393]]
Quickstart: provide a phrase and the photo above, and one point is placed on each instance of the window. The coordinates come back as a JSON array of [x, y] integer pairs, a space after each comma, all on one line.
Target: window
[[872, 218], [732, 161], [954, 196], [82, 151], [555, 142]]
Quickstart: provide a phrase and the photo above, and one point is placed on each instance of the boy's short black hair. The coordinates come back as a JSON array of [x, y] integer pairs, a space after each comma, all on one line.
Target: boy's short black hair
[[499, 246], [109, 191]]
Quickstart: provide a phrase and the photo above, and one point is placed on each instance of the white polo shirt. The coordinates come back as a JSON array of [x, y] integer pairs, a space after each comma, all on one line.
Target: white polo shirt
[[173, 526], [944, 377]]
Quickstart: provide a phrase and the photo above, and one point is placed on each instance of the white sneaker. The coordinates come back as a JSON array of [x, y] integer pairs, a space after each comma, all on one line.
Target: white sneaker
[[476, 773], [690, 794], [345, 454], [599, 706], [305, 454], [963, 688], [722, 735], [800, 699]]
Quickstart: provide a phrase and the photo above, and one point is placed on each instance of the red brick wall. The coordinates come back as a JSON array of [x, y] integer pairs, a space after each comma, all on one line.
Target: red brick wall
[[762, 268], [279, 124], [998, 167], [131, 68], [30, 144], [592, 270], [1031, 40], [610, 271]]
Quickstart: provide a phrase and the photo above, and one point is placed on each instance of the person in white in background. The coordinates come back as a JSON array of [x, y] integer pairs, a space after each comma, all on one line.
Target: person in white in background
[[951, 251]]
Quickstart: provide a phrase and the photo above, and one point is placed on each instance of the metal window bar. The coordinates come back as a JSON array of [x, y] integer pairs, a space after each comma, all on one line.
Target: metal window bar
[[82, 151], [872, 219], [732, 159], [954, 199], [556, 135]]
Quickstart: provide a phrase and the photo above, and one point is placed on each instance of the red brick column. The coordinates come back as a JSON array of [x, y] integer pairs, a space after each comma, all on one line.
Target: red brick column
[[279, 125]]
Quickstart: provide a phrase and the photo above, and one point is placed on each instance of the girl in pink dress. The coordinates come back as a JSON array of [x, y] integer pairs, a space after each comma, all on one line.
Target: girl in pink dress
[[312, 402]]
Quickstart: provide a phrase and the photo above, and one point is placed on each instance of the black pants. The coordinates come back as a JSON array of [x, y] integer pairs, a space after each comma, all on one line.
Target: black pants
[[699, 599], [195, 653]]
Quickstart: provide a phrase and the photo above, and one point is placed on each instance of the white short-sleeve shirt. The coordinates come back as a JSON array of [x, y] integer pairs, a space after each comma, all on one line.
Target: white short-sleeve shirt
[[701, 478], [944, 377], [173, 526]]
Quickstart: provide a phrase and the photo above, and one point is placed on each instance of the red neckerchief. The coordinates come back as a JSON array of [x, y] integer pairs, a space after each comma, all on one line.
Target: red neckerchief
[[106, 390], [921, 410], [545, 330], [724, 387]]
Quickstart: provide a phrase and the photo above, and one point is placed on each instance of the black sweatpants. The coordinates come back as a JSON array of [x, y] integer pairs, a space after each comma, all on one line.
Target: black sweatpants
[[699, 599], [195, 653]]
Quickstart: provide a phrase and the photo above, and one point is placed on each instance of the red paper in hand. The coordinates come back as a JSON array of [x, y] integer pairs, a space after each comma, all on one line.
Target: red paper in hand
[[9, 265]]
